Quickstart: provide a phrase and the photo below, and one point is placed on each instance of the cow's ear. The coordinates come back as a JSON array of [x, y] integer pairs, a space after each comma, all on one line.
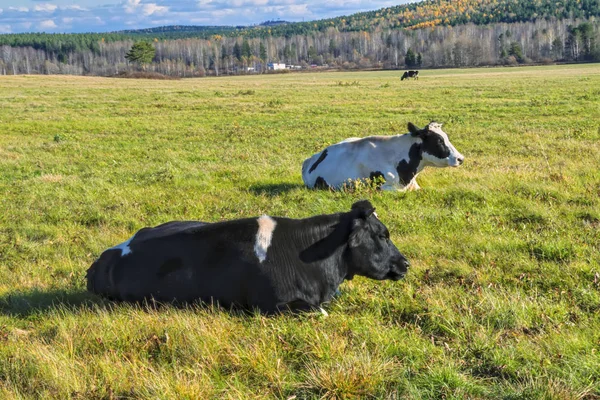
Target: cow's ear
[[414, 131], [357, 233], [363, 209]]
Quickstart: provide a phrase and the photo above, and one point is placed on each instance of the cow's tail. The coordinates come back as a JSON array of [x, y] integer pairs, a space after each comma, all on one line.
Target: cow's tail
[[100, 276]]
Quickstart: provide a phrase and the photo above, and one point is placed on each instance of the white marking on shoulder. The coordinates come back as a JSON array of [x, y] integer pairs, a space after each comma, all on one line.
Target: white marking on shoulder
[[264, 235], [124, 247]]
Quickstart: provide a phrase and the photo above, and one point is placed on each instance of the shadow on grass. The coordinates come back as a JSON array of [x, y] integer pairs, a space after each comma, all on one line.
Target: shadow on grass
[[23, 303], [274, 189]]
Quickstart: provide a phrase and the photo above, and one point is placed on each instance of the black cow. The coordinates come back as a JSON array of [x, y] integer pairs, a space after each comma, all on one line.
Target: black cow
[[268, 263], [410, 74]]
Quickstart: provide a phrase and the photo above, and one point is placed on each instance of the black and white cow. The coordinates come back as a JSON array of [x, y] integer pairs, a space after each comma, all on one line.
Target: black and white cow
[[410, 74], [396, 159], [268, 263]]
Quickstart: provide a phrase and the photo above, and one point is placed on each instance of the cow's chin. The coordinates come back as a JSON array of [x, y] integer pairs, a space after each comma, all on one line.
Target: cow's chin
[[395, 275], [438, 162]]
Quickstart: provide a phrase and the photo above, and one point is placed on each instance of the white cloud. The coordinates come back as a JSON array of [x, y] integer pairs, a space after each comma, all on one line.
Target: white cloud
[[67, 20], [5, 28], [19, 9], [45, 7], [241, 3], [222, 13], [131, 5], [153, 8], [26, 25], [135, 6], [300, 9], [74, 7], [47, 24]]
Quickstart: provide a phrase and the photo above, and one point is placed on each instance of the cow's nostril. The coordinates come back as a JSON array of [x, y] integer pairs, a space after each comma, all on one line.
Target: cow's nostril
[[460, 160]]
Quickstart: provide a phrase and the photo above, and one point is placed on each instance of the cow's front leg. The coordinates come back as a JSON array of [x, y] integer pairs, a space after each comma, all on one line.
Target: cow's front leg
[[413, 185], [391, 182]]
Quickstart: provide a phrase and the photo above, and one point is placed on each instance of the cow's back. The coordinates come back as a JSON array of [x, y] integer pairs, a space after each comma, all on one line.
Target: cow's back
[[348, 160], [184, 262]]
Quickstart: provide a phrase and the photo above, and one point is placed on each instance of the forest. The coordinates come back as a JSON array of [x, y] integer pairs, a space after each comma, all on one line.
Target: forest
[[429, 34]]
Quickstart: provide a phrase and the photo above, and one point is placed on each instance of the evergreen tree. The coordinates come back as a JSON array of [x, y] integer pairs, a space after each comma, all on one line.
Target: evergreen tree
[[263, 52], [557, 49], [410, 59], [141, 53], [516, 51], [333, 48], [237, 51], [246, 51], [312, 53]]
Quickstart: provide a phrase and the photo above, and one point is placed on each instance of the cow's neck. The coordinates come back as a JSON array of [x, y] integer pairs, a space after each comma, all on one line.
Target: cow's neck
[[403, 145], [324, 245], [408, 157]]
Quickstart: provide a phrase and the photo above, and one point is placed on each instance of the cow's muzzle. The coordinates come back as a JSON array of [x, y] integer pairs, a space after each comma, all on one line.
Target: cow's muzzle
[[398, 269]]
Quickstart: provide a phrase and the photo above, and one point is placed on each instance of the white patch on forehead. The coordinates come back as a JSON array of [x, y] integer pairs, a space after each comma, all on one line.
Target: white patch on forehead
[[266, 226], [375, 214], [373, 145], [124, 247], [437, 128]]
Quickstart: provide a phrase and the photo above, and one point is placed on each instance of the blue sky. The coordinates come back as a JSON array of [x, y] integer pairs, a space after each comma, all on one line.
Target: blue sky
[[109, 15]]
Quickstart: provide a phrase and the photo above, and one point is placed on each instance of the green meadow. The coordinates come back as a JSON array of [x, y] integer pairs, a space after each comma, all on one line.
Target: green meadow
[[502, 300]]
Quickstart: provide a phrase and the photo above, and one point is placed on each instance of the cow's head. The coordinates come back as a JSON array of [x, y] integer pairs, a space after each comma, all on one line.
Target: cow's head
[[371, 252], [437, 149]]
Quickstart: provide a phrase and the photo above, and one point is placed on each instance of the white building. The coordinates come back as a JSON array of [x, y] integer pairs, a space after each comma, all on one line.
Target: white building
[[275, 66]]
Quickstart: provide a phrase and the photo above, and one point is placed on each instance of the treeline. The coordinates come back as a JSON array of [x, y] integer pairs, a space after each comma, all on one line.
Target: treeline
[[466, 45], [419, 15]]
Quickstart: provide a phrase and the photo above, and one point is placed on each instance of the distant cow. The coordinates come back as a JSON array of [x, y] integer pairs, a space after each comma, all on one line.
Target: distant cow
[[410, 74], [395, 159], [266, 263]]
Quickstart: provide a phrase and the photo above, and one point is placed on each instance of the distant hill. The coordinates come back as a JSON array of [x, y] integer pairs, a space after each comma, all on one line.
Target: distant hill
[[274, 23], [180, 31], [418, 15], [176, 31]]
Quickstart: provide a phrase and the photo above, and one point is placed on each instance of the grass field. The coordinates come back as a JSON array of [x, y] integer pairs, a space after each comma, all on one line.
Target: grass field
[[502, 301]]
